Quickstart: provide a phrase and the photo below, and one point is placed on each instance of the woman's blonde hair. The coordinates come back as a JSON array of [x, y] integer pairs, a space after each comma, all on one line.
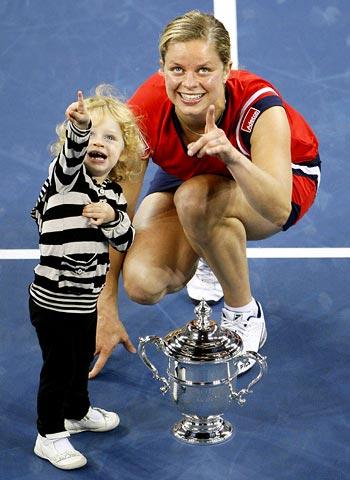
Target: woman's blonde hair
[[195, 25], [105, 102]]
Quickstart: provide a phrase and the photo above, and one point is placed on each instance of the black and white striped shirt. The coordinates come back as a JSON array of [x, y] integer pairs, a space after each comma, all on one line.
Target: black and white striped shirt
[[74, 256]]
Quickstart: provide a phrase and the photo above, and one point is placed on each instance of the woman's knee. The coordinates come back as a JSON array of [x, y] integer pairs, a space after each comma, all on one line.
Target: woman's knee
[[140, 288], [191, 205], [201, 203], [142, 284]]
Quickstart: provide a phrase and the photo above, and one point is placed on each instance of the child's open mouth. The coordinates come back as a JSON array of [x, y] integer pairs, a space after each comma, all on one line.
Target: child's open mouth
[[96, 155]]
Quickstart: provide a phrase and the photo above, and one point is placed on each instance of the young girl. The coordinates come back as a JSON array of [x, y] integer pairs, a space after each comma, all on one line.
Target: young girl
[[80, 211]]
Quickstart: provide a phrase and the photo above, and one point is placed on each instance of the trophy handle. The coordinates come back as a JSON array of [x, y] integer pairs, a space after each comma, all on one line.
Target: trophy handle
[[159, 343], [239, 397]]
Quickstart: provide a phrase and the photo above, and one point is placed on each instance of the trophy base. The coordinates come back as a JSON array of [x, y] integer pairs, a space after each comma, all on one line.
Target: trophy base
[[203, 430]]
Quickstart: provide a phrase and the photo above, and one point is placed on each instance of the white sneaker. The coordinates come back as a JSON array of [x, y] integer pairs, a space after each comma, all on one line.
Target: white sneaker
[[250, 328], [204, 284], [96, 420], [57, 449]]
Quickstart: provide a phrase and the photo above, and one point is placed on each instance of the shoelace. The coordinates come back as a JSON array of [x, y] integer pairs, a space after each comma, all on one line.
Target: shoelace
[[101, 411], [239, 324]]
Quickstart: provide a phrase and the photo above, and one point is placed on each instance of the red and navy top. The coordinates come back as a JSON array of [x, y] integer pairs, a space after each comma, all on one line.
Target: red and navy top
[[247, 96]]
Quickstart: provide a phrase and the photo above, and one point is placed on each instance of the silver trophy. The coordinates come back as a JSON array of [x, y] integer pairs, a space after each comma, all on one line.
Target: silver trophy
[[203, 361]]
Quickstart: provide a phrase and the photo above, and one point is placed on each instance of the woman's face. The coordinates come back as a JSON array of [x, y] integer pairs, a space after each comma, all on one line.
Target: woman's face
[[194, 78]]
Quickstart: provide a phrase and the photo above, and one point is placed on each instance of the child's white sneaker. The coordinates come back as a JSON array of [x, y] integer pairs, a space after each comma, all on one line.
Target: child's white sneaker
[[57, 449], [250, 327], [96, 420]]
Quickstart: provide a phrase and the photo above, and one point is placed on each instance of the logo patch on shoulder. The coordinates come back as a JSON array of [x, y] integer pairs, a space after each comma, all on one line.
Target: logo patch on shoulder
[[249, 119]]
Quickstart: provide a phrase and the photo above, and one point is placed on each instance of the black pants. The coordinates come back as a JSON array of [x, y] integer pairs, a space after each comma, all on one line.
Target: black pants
[[67, 342]]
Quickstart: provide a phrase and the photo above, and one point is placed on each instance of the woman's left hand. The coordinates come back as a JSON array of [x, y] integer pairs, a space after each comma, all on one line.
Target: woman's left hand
[[214, 142]]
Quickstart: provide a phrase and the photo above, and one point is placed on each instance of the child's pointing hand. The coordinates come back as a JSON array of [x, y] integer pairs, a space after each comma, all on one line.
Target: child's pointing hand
[[77, 113]]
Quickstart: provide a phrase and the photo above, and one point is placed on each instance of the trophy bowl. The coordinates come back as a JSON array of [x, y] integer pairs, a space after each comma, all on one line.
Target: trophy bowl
[[203, 364]]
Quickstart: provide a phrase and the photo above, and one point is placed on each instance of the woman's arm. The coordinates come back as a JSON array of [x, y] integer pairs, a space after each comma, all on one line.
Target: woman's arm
[[110, 329], [266, 180]]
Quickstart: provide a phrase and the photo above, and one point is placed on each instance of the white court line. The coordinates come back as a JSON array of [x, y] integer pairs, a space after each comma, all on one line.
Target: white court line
[[226, 12], [312, 252]]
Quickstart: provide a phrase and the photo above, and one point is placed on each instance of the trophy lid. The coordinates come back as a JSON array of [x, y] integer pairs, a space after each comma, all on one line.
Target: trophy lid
[[202, 340]]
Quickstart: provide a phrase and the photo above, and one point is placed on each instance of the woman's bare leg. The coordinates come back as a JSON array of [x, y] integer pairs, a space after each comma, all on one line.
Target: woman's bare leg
[[217, 221], [161, 259]]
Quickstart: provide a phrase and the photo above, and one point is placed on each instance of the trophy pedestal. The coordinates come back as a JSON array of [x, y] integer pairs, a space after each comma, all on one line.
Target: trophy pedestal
[[197, 430]]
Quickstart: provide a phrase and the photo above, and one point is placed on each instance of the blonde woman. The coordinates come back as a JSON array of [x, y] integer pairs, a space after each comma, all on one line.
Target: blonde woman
[[237, 163]]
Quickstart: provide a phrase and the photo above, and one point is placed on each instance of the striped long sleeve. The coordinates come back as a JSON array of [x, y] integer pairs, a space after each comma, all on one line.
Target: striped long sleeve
[[74, 256]]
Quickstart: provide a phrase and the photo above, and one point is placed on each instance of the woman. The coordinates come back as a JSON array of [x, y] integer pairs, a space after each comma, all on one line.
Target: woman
[[237, 163]]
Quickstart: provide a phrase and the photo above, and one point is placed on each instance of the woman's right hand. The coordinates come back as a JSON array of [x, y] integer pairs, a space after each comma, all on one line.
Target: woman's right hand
[[110, 332]]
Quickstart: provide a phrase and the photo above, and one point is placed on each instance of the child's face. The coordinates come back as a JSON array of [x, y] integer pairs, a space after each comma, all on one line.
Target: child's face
[[105, 146]]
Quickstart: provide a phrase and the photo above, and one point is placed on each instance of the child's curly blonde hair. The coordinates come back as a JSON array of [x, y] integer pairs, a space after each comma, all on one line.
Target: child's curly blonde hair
[[105, 102]]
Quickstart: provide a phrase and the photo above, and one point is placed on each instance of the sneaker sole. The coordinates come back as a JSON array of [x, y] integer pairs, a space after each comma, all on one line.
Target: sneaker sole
[[261, 344], [80, 464], [263, 338]]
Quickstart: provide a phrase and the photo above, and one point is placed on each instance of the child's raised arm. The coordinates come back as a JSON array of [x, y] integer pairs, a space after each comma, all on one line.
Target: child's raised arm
[[70, 159]]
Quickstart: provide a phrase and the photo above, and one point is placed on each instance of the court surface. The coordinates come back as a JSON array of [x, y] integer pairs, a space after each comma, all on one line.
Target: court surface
[[296, 424]]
